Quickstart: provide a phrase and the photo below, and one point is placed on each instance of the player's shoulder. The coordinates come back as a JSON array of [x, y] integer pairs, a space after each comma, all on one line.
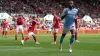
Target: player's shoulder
[[75, 9], [33, 21], [65, 9], [55, 16]]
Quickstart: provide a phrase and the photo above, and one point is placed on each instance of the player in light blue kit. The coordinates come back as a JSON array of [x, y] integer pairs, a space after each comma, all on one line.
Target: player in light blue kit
[[69, 24]]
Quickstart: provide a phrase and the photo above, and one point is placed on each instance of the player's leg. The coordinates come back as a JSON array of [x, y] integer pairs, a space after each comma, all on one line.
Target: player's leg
[[35, 39], [26, 38], [65, 30], [47, 30], [16, 33], [3, 33], [6, 32], [76, 36], [22, 35], [51, 32], [22, 32], [71, 39], [55, 36], [61, 40]]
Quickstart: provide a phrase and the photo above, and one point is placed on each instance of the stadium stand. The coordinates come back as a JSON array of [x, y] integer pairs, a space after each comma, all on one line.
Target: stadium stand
[[46, 6]]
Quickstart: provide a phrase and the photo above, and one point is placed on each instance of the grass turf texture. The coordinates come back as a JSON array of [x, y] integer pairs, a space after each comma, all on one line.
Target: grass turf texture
[[89, 45]]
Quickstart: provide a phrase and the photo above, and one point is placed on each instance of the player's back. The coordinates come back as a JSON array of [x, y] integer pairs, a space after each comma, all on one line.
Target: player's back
[[56, 22], [5, 24], [20, 21], [69, 18], [76, 21], [30, 29], [32, 25]]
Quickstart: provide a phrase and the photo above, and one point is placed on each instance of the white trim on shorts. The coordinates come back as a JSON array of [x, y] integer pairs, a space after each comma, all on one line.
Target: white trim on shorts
[[19, 28], [5, 29], [56, 30], [30, 34], [65, 30]]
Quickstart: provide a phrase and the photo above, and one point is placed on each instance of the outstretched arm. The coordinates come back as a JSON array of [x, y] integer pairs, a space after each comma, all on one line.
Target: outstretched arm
[[64, 14]]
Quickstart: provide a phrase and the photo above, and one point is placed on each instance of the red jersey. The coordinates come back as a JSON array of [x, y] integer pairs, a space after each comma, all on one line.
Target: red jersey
[[32, 26], [56, 22], [76, 21], [20, 21], [5, 24]]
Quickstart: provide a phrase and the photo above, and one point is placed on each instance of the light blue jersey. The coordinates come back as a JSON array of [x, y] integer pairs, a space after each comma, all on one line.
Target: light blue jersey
[[70, 16]]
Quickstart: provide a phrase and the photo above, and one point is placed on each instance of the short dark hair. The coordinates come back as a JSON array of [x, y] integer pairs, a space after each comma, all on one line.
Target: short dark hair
[[19, 15], [71, 1], [33, 17]]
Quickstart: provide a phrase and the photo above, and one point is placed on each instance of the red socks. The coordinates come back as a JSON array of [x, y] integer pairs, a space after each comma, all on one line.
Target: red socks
[[55, 38], [75, 35], [16, 38], [6, 33], [3, 33], [25, 39]]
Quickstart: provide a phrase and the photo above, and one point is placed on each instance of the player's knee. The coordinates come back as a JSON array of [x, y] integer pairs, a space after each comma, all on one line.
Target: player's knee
[[33, 35], [63, 35], [73, 34]]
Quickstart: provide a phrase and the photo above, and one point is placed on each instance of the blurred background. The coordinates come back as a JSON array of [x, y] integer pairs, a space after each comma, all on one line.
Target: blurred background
[[40, 8]]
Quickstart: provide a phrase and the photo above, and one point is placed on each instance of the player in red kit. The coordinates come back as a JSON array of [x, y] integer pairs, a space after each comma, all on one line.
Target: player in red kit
[[19, 28], [76, 25], [55, 27], [30, 31], [4, 25]]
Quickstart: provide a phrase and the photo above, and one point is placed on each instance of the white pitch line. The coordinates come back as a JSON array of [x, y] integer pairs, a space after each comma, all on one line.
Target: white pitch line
[[45, 35], [11, 49], [22, 48]]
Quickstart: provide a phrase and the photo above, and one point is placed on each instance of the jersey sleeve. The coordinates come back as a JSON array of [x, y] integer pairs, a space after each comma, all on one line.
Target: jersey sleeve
[[63, 13], [76, 11]]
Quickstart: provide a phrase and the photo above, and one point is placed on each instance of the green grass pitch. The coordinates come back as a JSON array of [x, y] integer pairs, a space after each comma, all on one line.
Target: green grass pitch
[[89, 45]]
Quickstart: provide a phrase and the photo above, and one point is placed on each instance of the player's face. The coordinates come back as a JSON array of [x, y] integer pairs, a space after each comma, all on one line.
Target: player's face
[[71, 4], [19, 16], [4, 19], [33, 18], [54, 13]]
